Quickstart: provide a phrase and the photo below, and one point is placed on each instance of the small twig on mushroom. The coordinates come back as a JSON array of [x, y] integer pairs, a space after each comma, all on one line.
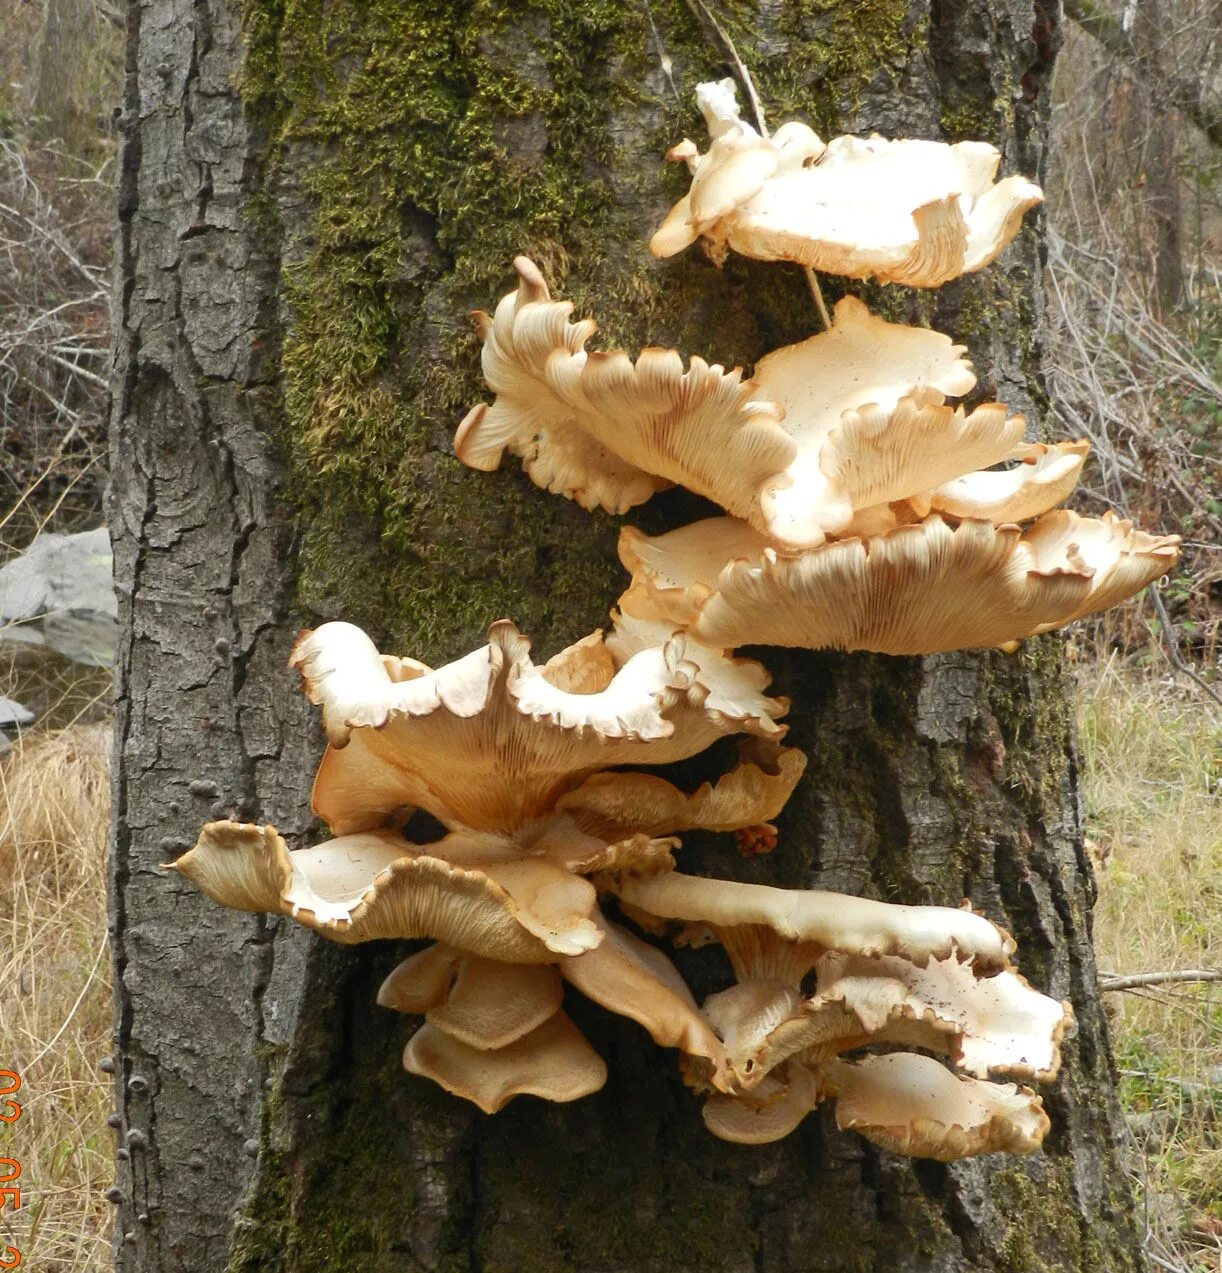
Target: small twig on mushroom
[[1136, 980], [817, 292]]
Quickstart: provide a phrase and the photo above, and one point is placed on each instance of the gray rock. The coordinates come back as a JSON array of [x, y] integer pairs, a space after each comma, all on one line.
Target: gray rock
[[60, 593], [13, 713]]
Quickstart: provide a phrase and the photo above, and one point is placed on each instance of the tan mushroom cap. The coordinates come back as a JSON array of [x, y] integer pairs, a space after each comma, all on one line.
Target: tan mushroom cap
[[634, 979], [375, 885], [1045, 476], [481, 1002], [768, 1112], [914, 212], [753, 792], [918, 589], [605, 431], [910, 1104], [528, 418], [835, 921], [994, 1024], [489, 741], [553, 1061]]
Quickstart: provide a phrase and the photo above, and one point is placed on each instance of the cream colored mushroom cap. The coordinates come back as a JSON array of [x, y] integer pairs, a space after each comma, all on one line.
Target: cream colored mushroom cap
[[553, 1061], [376, 885], [836, 921], [1044, 477], [993, 1024], [913, 1105], [914, 212], [442, 739]]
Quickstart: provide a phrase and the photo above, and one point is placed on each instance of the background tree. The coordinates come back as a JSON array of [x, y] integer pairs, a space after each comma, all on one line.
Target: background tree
[[311, 198]]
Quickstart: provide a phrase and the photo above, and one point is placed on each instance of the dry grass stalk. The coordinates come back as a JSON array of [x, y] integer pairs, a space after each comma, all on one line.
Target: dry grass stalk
[[55, 1017], [1153, 782]]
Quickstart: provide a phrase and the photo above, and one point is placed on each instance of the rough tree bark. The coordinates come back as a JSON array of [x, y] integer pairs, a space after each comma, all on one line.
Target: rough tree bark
[[312, 195]]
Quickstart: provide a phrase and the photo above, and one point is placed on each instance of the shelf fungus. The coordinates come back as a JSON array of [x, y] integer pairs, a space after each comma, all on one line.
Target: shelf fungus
[[490, 741], [918, 587], [826, 432], [510, 757], [914, 212], [821, 977]]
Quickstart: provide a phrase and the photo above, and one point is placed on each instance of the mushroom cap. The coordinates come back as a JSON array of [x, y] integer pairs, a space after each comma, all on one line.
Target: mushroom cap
[[835, 921], [988, 1025], [375, 885], [864, 403], [917, 589], [481, 1002], [984, 1021], [636, 980], [553, 1061], [752, 792], [597, 427], [528, 417], [1044, 477], [490, 741], [910, 1104], [914, 212], [768, 1112]]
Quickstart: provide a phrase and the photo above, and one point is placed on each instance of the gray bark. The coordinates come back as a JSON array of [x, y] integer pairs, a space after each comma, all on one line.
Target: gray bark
[[278, 1131]]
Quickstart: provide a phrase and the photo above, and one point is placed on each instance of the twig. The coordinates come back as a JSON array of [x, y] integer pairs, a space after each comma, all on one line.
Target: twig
[[1171, 641], [83, 372], [1132, 981], [817, 292], [663, 59]]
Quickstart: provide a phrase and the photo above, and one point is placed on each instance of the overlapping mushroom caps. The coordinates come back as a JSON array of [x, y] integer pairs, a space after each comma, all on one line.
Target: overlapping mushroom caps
[[914, 212], [918, 588], [820, 975], [510, 757], [819, 442]]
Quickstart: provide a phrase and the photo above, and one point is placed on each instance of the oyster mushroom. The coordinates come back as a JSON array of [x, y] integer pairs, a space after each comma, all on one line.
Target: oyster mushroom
[[919, 588], [914, 212]]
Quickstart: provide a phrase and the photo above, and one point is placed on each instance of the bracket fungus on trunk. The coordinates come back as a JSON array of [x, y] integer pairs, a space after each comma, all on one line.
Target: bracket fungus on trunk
[[915, 212], [917, 588], [896, 977], [866, 512], [512, 758], [825, 431]]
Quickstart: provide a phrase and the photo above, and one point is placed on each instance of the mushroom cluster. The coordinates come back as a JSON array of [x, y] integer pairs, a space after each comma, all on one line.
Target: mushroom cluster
[[513, 759], [866, 510]]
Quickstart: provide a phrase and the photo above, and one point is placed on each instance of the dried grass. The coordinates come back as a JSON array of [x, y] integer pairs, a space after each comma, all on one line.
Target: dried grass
[[1153, 784], [55, 1017]]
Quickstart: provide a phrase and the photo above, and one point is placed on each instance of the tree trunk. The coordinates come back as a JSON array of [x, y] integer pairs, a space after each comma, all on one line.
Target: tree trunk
[[312, 197]]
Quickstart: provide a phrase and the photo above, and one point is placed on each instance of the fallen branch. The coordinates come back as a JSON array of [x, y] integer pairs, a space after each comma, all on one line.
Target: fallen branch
[[1137, 980]]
